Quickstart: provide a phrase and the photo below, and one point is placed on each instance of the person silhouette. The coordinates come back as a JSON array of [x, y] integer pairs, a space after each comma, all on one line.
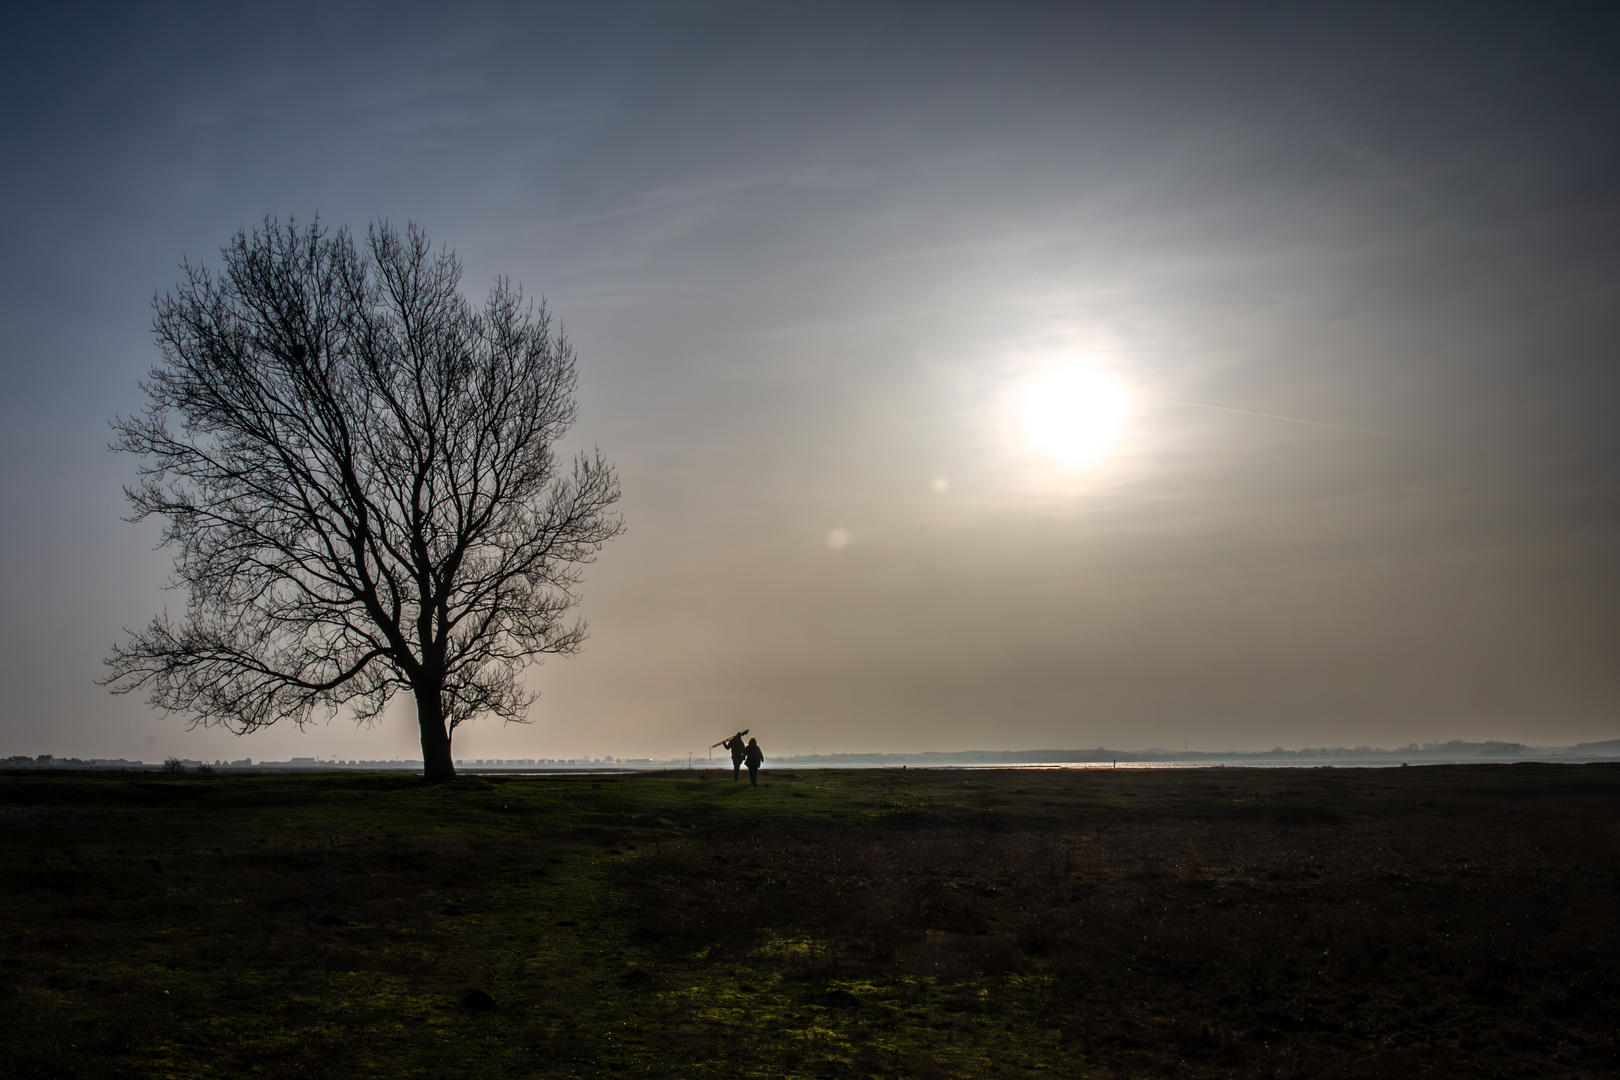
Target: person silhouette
[[735, 745], [754, 757]]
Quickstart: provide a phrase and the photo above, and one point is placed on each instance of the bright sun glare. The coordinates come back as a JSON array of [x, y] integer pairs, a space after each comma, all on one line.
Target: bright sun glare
[[1073, 415]]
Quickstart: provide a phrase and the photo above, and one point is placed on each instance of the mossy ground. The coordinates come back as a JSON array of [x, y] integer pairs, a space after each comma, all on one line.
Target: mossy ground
[[1446, 921]]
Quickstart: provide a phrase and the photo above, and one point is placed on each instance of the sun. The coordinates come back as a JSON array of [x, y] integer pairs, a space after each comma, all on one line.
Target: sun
[[1074, 415]]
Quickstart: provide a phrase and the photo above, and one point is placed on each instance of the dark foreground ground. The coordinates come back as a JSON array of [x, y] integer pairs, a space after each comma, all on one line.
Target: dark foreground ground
[[1449, 921]]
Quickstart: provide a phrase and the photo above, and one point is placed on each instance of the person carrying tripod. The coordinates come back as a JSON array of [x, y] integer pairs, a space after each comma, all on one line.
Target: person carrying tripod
[[735, 745]]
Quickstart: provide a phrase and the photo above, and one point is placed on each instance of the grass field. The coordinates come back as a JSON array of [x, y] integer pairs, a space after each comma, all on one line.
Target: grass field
[[1446, 921]]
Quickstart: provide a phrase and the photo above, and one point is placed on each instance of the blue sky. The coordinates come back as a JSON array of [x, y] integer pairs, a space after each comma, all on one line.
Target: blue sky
[[814, 258]]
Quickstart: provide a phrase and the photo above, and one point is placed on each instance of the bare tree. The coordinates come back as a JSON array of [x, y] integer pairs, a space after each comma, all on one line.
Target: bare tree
[[362, 490]]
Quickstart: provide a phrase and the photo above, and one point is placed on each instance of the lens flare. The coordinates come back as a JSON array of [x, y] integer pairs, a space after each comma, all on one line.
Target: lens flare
[[1074, 415]]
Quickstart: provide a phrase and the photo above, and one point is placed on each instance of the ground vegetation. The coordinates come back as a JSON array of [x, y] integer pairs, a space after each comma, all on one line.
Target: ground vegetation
[[1447, 921]]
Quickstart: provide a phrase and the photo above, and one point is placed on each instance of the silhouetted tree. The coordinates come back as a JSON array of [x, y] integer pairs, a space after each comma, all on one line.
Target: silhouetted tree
[[362, 488]]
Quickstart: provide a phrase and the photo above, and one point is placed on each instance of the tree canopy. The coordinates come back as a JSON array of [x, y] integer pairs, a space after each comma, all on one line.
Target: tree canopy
[[357, 469]]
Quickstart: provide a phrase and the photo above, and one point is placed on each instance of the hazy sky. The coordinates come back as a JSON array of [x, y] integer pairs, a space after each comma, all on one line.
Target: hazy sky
[[835, 273]]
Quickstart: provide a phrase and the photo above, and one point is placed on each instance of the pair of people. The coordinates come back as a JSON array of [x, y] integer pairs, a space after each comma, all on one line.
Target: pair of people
[[750, 755]]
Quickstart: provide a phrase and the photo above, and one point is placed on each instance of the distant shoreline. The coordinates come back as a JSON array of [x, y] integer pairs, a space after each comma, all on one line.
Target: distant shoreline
[[1450, 753]]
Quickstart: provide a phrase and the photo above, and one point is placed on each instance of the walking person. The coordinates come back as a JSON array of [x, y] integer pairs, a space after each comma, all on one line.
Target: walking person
[[754, 757], [735, 745]]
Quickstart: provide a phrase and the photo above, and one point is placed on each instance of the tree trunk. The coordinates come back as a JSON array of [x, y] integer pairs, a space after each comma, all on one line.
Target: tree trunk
[[437, 764]]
